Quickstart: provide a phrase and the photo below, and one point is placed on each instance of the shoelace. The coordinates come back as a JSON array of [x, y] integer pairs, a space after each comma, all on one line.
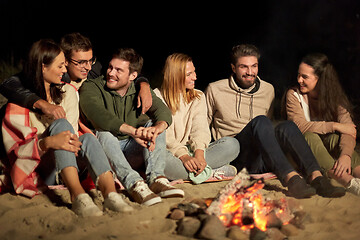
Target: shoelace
[[142, 190], [84, 201], [163, 181], [218, 174]]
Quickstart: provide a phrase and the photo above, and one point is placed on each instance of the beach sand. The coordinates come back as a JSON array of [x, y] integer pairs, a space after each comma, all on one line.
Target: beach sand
[[48, 216]]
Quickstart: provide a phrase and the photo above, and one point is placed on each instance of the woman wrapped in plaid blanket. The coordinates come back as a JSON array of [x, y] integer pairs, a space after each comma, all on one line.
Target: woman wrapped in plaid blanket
[[44, 150]]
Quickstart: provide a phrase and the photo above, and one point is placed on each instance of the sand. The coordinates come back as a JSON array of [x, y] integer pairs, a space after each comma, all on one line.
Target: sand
[[48, 216]]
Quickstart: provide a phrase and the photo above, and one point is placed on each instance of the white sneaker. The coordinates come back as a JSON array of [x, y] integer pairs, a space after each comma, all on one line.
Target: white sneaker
[[162, 187], [142, 194], [354, 186], [84, 206], [116, 203], [224, 172]]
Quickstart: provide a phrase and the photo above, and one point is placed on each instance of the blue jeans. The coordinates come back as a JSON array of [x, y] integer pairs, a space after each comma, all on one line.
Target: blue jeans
[[218, 154], [127, 155], [91, 157], [263, 147]]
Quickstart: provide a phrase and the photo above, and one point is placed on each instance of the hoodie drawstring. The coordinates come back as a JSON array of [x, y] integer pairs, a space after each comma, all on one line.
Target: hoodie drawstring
[[238, 103], [251, 109]]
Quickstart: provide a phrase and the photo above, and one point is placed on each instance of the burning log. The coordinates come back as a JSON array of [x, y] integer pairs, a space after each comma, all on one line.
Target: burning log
[[239, 203], [239, 206]]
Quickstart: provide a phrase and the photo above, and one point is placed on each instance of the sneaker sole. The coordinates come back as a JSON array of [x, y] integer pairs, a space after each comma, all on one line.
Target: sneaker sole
[[172, 193], [152, 201]]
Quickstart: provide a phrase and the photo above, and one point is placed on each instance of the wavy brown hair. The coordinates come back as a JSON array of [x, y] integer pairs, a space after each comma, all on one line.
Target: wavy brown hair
[[42, 52], [330, 92]]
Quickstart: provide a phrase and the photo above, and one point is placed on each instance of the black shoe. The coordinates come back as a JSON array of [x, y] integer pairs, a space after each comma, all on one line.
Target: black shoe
[[325, 189], [298, 188]]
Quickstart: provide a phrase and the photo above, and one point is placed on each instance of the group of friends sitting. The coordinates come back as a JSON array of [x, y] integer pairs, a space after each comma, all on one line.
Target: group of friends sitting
[[66, 122]]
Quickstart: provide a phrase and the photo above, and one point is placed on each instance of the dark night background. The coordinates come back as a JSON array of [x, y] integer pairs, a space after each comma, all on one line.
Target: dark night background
[[283, 30]]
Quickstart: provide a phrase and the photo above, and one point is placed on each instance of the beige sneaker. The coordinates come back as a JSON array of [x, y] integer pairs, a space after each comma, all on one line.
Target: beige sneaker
[[354, 186], [116, 203], [141, 193], [84, 206], [162, 187]]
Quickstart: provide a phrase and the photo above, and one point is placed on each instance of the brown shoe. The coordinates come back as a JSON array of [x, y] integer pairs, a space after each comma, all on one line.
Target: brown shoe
[[162, 187], [141, 193]]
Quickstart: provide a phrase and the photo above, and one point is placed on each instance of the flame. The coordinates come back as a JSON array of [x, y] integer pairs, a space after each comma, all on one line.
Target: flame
[[234, 205]]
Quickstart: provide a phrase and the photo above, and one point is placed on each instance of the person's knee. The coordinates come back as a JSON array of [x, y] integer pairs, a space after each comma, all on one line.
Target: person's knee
[[261, 122], [262, 119], [88, 138], [311, 137], [106, 137], [231, 145], [61, 125], [287, 127]]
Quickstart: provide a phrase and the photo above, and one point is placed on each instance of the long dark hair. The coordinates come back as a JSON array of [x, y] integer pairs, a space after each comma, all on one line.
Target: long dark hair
[[330, 93], [42, 52]]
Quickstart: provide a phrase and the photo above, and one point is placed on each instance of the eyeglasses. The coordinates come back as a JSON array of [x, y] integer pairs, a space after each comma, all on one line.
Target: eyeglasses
[[83, 63]]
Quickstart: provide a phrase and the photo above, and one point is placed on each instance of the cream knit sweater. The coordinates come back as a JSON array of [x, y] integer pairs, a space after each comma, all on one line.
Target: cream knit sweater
[[70, 103], [189, 127], [231, 108]]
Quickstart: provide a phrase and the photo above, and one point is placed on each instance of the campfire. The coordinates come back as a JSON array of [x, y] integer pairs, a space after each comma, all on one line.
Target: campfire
[[240, 205]]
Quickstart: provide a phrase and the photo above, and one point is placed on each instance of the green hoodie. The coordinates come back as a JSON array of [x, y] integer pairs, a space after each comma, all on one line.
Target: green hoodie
[[106, 110]]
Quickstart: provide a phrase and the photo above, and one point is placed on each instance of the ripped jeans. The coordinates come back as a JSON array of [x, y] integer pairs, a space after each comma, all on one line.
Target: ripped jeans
[[91, 157]]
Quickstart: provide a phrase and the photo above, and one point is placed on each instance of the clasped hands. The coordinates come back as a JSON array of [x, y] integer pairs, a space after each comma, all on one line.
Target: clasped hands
[[146, 136], [195, 164]]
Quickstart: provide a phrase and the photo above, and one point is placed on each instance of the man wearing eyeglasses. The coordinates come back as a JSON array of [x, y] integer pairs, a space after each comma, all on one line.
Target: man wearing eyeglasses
[[81, 65]]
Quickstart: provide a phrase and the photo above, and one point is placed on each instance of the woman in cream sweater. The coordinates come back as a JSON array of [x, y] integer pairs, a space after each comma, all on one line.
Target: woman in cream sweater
[[188, 137], [321, 110]]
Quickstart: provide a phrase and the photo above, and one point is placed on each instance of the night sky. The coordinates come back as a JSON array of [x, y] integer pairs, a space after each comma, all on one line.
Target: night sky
[[284, 31]]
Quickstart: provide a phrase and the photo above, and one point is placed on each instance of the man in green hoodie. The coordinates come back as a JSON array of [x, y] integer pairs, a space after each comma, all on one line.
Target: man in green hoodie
[[128, 138]]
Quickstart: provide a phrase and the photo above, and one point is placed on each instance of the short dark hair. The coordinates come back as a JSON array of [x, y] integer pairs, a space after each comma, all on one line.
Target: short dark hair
[[131, 56], [244, 50], [74, 42]]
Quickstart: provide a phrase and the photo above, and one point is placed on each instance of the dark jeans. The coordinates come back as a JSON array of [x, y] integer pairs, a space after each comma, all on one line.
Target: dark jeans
[[263, 148]]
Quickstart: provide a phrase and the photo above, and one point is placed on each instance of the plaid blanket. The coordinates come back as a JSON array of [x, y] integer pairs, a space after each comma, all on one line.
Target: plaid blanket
[[20, 141]]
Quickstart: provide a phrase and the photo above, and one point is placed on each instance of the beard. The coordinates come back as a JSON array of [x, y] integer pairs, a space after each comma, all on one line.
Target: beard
[[246, 81]]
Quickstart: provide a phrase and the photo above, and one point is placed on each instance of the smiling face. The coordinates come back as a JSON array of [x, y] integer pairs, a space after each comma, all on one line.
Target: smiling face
[[190, 77], [246, 71], [76, 71], [54, 72], [307, 79], [118, 76]]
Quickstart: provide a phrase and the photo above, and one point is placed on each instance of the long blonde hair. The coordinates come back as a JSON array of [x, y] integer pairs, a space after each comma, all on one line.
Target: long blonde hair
[[173, 85]]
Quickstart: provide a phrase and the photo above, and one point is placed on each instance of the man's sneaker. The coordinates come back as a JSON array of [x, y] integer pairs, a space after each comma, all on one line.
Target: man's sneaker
[[84, 206], [162, 187], [325, 189], [141, 193], [298, 188], [354, 186], [116, 203], [225, 172]]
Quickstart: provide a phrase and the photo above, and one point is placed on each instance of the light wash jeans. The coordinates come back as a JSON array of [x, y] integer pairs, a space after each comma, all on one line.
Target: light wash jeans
[[91, 156], [127, 155], [218, 154]]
